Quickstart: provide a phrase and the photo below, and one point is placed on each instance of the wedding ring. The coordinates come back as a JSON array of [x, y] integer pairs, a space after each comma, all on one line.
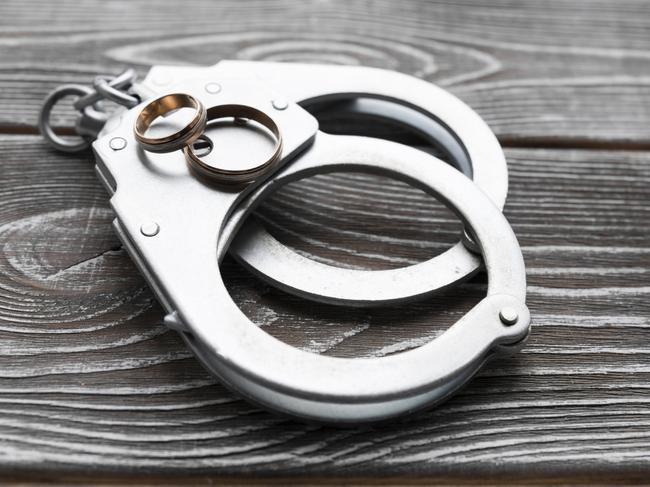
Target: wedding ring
[[243, 176], [161, 107]]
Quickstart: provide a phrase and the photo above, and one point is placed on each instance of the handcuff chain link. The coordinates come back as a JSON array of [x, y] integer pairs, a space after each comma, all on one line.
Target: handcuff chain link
[[92, 115]]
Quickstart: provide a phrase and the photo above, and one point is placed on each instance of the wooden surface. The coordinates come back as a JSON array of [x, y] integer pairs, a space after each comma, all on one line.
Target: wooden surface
[[91, 382]]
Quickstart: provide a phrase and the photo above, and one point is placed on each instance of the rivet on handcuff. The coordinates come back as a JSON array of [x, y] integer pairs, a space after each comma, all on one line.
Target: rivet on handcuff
[[193, 218]]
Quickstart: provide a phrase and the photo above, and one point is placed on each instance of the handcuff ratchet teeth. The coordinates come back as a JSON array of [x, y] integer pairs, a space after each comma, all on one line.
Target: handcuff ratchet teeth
[[199, 221]]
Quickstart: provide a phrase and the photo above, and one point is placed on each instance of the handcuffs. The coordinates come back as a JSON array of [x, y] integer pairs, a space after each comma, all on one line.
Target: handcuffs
[[181, 205]]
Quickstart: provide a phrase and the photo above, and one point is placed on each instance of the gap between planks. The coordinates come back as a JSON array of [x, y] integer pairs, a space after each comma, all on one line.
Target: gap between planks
[[569, 143]]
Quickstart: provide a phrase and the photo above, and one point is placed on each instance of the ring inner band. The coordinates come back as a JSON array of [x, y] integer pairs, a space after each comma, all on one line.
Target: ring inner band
[[226, 176], [162, 106]]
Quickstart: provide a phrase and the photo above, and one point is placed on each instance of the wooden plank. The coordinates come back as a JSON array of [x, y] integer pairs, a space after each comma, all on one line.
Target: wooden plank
[[550, 72], [91, 381]]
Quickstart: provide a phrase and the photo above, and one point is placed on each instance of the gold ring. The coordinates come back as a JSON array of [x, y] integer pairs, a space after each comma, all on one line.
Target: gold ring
[[243, 176], [162, 106]]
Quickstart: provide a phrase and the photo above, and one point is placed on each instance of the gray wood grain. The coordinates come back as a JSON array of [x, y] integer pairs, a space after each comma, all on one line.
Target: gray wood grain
[[92, 383], [538, 72], [89, 377]]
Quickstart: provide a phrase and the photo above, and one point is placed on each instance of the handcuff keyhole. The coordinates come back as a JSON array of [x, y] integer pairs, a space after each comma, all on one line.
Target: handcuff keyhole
[[203, 146]]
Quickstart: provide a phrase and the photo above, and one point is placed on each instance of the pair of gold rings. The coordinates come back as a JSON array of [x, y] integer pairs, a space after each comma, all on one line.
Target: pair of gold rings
[[190, 133]]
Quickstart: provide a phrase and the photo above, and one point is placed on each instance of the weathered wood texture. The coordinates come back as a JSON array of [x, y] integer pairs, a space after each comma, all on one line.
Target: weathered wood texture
[[91, 382], [537, 71]]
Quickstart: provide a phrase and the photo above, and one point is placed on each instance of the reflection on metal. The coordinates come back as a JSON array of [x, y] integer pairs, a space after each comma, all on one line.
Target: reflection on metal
[[193, 221]]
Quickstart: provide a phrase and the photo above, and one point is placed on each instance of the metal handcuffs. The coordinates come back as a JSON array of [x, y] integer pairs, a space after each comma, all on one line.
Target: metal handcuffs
[[152, 204], [437, 114]]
